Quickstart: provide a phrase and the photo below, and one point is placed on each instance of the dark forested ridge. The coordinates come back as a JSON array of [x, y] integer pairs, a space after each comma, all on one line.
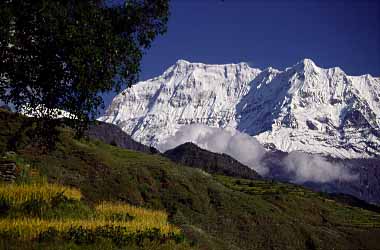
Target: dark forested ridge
[[191, 155], [112, 134]]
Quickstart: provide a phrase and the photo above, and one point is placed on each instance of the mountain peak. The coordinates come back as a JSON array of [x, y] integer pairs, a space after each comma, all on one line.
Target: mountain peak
[[304, 108], [182, 62], [305, 64], [308, 61]]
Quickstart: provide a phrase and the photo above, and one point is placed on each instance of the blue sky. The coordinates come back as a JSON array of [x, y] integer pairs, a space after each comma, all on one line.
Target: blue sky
[[264, 33]]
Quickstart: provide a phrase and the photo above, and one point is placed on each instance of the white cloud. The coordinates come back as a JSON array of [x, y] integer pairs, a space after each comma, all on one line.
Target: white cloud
[[300, 167], [242, 147], [315, 168]]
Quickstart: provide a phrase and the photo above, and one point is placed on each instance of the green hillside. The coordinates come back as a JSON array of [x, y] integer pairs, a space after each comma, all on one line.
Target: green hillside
[[214, 212]]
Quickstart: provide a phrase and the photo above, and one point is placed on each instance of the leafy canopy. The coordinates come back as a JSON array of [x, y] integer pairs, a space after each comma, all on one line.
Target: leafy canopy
[[63, 54]]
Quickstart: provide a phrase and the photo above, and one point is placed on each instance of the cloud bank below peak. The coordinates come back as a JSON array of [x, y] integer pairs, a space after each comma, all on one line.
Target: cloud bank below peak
[[242, 147], [305, 167], [301, 167]]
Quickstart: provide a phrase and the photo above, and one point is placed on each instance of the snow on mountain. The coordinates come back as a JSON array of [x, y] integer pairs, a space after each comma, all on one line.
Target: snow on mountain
[[304, 107], [186, 93]]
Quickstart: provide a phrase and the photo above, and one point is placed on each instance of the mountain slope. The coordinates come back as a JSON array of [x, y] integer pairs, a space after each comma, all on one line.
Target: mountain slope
[[316, 110], [189, 154], [112, 134], [365, 186], [215, 212], [186, 93], [303, 107]]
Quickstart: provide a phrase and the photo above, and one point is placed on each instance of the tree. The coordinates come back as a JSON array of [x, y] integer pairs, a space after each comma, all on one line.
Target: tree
[[64, 54]]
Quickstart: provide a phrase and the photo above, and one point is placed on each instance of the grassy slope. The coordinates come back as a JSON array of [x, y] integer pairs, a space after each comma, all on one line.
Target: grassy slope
[[38, 214], [215, 212]]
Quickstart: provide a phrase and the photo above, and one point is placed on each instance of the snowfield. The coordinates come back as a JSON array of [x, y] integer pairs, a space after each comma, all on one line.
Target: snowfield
[[303, 108]]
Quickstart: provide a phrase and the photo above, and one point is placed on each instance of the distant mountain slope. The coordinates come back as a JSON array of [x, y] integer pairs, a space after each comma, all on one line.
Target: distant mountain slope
[[303, 107], [366, 185], [189, 154], [112, 134]]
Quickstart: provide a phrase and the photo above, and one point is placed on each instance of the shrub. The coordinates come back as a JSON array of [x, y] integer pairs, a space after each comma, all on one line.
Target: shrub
[[58, 199], [51, 234], [35, 206], [4, 206], [81, 235]]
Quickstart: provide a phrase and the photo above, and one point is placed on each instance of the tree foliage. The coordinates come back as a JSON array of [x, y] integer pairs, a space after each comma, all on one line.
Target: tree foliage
[[63, 54]]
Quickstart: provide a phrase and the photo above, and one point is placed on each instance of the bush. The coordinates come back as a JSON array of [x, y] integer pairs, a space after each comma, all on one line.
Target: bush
[[58, 199], [4, 206], [81, 235], [51, 234], [35, 206]]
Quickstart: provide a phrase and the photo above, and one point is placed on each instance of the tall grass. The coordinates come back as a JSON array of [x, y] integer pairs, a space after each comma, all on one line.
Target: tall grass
[[17, 194], [31, 228], [142, 218], [122, 218]]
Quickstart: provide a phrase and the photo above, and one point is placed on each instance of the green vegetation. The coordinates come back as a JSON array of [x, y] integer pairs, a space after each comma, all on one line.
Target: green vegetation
[[62, 55], [214, 212], [276, 192], [45, 213], [22, 193]]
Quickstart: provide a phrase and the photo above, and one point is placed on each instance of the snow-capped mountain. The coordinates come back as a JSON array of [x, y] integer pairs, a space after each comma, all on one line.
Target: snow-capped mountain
[[303, 108]]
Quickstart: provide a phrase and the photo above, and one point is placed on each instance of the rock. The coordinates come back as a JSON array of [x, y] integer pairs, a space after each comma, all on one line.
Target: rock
[[8, 171], [311, 125]]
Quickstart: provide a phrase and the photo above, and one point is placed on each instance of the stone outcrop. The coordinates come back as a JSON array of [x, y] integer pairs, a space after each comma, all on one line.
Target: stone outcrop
[[8, 171]]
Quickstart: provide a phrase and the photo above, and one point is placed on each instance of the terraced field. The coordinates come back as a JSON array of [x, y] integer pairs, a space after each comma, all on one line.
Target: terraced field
[[41, 213]]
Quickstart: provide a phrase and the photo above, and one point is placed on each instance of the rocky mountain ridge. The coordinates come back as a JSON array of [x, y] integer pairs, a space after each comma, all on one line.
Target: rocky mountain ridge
[[304, 107]]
